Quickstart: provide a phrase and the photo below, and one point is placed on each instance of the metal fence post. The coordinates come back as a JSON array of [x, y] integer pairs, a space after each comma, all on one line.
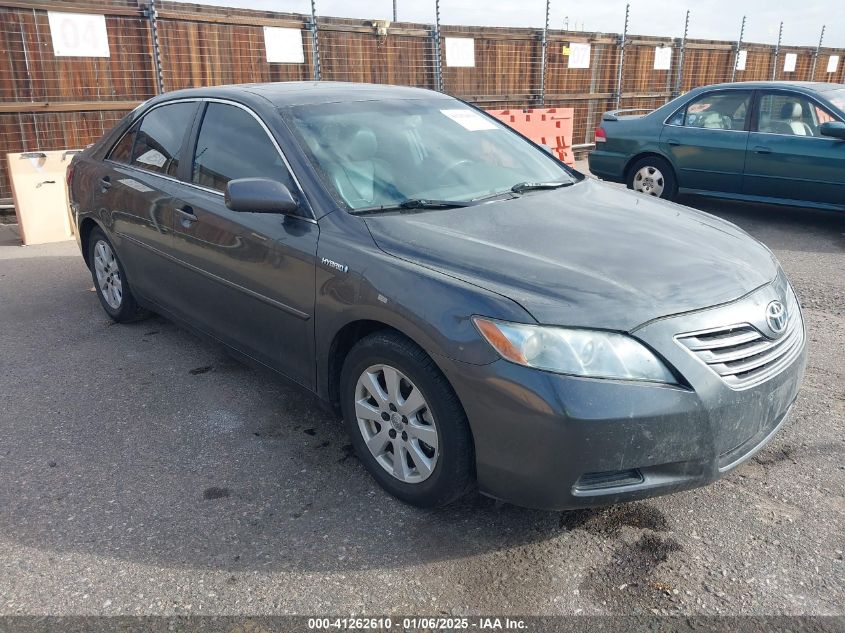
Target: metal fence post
[[438, 66], [679, 78], [622, 43], [544, 48], [315, 43], [152, 15], [738, 47], [816, 55], [777, 52], [394, 11]]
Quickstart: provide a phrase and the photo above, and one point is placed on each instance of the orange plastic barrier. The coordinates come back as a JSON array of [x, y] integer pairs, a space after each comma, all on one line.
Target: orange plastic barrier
[[546, 126]]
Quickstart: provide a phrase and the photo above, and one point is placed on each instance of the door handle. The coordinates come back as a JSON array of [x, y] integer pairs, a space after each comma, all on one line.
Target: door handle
[[105, 184], [762, 150], [672, 141], [186, 215]]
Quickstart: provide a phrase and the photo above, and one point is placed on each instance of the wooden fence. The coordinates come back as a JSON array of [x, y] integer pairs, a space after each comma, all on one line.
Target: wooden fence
[[49, 102]]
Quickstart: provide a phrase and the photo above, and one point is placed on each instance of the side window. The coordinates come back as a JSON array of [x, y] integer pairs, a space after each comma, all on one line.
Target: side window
[[159, 138], [715, 110], [790, 114], [122, 151], [232, 144]]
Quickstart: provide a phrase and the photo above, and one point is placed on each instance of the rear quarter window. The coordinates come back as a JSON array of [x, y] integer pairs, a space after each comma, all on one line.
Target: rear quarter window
[[158, 141]]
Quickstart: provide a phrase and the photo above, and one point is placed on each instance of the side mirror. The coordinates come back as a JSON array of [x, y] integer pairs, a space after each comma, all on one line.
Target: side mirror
[[547, 148], [836, 129], [259, 195]]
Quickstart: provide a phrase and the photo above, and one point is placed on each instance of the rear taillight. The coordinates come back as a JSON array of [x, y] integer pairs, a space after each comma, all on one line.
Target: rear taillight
[[601, 135]]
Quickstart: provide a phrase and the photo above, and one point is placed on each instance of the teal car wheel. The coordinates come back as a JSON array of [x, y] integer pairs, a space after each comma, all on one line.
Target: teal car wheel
[[653, 176]]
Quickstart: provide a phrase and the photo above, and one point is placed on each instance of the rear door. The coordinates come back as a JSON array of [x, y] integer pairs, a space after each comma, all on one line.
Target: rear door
[[787, 156], [706, 140], [136, 189], [245, 278]]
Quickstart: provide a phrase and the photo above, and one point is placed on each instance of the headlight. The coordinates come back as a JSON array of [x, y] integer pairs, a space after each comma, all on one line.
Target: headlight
[[590, 353]]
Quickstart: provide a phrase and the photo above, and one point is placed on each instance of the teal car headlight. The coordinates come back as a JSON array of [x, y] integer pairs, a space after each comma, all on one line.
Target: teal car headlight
[[590, 353]]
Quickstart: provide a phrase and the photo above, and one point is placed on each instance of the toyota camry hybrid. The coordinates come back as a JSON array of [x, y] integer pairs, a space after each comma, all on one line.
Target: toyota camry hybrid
[[483, 316]]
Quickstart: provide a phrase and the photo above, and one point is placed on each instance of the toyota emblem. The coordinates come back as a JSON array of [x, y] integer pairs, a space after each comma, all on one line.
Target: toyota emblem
[[776, 317]]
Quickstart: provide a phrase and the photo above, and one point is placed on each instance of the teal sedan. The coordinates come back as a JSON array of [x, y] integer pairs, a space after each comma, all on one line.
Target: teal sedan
[[775, 142]]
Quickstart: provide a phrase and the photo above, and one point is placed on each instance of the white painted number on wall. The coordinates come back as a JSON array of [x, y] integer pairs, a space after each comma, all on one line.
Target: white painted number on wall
[[283, 46], [789, 62], [662, 57], [579, 55], [460, 51], [78, 34]]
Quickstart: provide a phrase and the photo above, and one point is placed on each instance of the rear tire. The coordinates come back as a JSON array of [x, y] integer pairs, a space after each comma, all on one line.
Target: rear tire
[[405, 421], [110, 280], [653, 176]]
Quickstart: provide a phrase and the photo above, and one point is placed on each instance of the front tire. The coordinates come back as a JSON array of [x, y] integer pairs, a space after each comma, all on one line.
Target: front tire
[[110, 280], [405, 421], [653, 176]]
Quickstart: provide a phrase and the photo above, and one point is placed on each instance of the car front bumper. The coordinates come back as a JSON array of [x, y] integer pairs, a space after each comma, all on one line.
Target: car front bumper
[[558, 442]]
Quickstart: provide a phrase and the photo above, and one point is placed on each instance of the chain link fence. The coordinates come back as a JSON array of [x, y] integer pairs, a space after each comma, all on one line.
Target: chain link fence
[[52, 100]]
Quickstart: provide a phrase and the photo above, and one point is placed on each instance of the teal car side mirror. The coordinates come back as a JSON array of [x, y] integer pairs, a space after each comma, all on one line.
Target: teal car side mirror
[[836, 129]]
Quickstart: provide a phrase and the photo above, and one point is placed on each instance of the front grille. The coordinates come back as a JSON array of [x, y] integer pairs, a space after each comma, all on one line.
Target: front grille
[[743, 356]]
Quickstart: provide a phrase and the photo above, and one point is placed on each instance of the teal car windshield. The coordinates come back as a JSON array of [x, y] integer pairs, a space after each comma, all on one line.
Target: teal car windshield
[[386, 154]]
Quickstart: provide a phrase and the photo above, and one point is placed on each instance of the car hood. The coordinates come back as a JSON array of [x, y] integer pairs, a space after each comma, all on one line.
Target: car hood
[[590, 255]]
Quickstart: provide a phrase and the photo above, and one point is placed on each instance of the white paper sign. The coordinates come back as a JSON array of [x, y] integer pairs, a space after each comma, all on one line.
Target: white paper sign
[[470, 120], [662, 57], [78, 34], [741, 59], [789, 62], [832, 63], [579, 55], [460, 52], [284, 46]]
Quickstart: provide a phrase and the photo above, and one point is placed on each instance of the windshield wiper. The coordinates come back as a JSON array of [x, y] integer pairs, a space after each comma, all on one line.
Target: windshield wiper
[[414, 204], [522, 187]]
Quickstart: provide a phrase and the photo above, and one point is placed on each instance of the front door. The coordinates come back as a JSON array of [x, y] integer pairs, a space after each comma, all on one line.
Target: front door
[[706, 141], [787, 156], [246, 278]]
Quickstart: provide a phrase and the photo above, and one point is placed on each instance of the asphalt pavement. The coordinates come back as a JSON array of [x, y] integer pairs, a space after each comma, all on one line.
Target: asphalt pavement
[[143, 471]]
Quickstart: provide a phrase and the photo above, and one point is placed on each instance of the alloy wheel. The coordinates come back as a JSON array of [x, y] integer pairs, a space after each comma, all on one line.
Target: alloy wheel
[[108, 274], [396, 423]]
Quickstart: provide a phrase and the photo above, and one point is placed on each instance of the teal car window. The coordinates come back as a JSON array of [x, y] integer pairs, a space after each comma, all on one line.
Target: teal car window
[[715, 110], [791, 114]]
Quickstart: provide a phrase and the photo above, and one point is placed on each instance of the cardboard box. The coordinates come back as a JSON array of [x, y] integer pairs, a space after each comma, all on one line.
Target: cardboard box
[[40, 195]]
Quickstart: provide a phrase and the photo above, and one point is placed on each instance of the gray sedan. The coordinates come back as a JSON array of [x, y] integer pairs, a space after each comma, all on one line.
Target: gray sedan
[[482, 316]]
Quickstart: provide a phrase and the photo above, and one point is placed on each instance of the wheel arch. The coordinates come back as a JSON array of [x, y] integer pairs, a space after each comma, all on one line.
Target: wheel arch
[[85, 227], [632, 161]]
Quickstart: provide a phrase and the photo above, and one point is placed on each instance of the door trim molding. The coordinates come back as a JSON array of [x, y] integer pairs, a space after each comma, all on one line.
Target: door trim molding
[[304, 316]]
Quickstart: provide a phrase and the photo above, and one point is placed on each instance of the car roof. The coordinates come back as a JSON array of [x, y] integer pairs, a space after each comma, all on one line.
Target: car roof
[[291, 93], [805, 86]]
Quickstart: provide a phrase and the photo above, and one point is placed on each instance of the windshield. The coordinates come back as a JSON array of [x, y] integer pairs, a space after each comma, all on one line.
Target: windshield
[[837, 98], [383, 153]]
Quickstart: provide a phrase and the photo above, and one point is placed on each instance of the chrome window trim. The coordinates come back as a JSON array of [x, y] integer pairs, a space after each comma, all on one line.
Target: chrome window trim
[[703, 93], [201, 187]]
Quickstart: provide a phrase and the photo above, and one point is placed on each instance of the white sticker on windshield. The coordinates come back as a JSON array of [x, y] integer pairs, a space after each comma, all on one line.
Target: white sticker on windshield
[[470, 120]]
